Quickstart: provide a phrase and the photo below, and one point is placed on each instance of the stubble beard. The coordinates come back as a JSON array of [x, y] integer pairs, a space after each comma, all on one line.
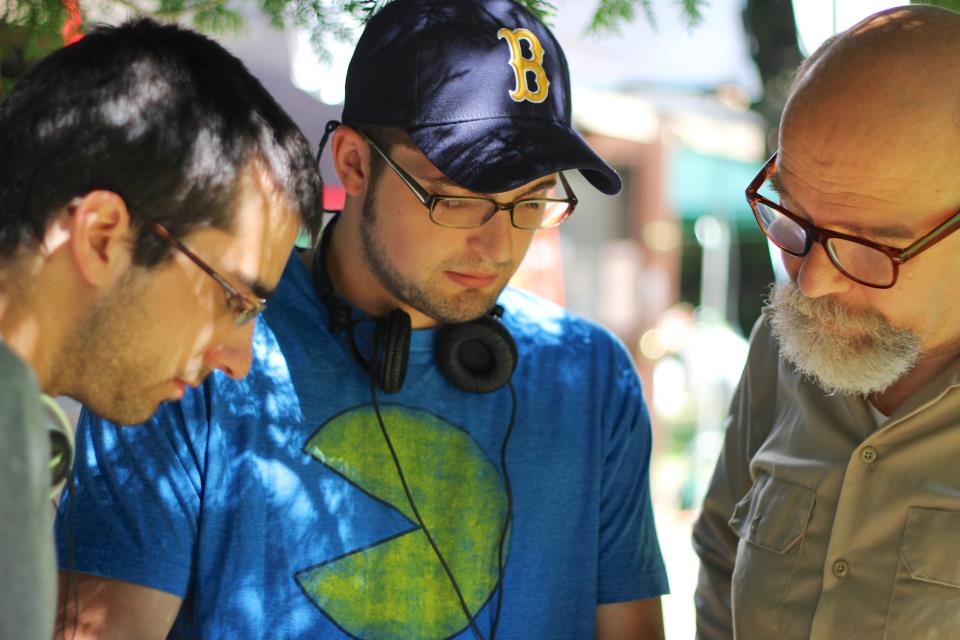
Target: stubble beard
[[446, 309], [849, 352], [103, 363]]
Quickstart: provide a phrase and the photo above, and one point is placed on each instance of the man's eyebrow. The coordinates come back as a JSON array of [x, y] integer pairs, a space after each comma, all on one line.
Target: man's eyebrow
[[440, 181], [894, 231], [257, 287], [540, 186], [776, 183], [444, 181]]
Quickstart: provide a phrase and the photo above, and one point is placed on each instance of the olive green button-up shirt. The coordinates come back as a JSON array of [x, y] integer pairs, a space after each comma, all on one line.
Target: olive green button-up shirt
[[820, 524]]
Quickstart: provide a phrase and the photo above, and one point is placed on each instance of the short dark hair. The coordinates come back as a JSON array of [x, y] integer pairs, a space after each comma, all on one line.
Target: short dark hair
[[386, 138], [162, 116]]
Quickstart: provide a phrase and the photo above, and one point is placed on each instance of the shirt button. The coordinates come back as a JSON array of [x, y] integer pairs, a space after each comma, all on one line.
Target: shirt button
[[868, 455], [841, 568]]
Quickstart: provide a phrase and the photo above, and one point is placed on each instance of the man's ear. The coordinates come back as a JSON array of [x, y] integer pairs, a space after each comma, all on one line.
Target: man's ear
[[100, 236], [351, 160]]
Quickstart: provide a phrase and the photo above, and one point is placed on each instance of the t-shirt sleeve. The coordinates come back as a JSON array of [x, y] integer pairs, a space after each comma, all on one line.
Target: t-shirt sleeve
[[134, 510], [630, 564]]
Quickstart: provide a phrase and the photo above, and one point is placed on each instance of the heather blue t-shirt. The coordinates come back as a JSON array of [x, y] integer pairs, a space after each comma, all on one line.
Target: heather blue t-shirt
[[273, 506]]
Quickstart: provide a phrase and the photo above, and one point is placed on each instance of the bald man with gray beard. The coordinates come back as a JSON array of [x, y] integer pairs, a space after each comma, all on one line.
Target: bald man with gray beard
[[834, 510]]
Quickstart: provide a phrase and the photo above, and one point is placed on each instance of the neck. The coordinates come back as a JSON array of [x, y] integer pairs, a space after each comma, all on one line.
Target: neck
[[353, 280], [927, 367]]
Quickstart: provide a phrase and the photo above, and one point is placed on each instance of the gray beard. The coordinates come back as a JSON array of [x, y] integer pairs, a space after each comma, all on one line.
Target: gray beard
[[844, 351]]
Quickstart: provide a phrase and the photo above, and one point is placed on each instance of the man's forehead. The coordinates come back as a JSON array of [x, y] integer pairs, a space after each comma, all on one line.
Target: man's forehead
[[887, 157], [886, 215], [262, 234]]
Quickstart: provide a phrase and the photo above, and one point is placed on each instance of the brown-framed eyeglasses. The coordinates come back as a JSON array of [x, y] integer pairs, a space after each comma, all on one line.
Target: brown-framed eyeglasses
[[470, 212], [244, 309], [869, 263]]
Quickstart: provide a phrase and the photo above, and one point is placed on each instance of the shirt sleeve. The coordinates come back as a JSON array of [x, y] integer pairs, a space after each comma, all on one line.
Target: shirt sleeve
[[27, 571], [713, 539], [134, 509], [630, 564]]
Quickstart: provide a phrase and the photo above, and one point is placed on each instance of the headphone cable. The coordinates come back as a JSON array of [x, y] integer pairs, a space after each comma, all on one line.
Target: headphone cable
[[416, 513], [71, 590], [508, 520]]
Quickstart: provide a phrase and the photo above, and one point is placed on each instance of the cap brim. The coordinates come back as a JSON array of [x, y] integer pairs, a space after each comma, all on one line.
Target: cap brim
[[494, 155]]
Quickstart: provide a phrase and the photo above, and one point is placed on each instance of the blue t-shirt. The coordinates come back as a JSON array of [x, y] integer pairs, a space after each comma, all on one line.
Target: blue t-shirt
[[273, 506]]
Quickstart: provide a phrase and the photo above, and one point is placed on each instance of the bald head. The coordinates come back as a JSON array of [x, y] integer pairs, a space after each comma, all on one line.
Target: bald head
[[879, 107]]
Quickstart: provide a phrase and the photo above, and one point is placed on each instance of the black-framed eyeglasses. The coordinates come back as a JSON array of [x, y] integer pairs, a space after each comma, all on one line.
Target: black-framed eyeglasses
[[869, 263], [243, 308], [470, 212]]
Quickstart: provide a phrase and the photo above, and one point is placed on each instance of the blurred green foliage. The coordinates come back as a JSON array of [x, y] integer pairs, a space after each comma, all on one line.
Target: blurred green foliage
[[953, 5], [29, 29], [610, 15]]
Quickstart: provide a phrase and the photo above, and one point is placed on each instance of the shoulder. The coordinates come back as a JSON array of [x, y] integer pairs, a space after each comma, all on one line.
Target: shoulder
[[23, 437], [763, 358], [16, 377], [20, 399], [549, 336], [295, 295], [538, 321]]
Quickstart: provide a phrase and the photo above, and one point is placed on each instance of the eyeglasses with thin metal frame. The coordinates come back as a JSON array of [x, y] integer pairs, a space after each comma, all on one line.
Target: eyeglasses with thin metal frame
[[866, 262], [243, 308], [470, 212]]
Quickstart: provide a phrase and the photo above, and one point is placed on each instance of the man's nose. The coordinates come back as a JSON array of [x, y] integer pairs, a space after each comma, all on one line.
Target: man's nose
[[494, 240], [232, 351], [816, 275]]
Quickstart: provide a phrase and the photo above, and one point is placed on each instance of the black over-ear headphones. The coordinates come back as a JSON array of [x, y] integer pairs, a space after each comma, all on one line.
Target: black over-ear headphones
[[478, 356]]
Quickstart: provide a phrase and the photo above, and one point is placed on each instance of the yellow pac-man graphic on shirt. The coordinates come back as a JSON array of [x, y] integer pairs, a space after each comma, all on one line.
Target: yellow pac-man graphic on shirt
[[525, 69], [397, 587]]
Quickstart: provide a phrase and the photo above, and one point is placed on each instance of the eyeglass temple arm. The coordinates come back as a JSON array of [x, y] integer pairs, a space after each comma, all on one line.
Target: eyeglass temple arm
[[932, 238], [424, 197], [571, 196]]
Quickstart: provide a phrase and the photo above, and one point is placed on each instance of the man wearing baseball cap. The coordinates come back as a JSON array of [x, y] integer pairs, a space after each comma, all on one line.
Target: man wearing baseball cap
[[419, 451]]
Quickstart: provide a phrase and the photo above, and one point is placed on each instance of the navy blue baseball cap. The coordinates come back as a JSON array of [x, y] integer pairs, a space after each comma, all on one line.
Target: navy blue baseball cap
[[480, 86]]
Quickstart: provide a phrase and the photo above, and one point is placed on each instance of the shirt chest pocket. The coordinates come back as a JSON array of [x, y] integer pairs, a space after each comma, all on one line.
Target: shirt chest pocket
[[770, 521], [927, 586], [773, 515]]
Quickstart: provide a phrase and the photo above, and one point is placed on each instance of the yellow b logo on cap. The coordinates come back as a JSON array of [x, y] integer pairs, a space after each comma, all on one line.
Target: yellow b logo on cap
[[522, 66]]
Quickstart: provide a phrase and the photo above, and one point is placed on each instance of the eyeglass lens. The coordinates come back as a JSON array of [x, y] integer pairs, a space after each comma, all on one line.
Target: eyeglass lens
[[470, 212], [856, 260]]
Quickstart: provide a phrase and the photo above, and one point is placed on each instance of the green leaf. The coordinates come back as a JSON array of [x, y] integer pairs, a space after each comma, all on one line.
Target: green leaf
[[611, 14], [692, 11], [953, 5]]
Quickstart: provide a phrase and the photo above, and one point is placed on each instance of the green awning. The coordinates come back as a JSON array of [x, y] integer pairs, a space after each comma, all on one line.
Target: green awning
[[701, 184]]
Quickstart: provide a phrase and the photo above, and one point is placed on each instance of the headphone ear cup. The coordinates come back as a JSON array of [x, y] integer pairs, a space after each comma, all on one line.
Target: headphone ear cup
[[393, 340], [478, 356], [61, 445]]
